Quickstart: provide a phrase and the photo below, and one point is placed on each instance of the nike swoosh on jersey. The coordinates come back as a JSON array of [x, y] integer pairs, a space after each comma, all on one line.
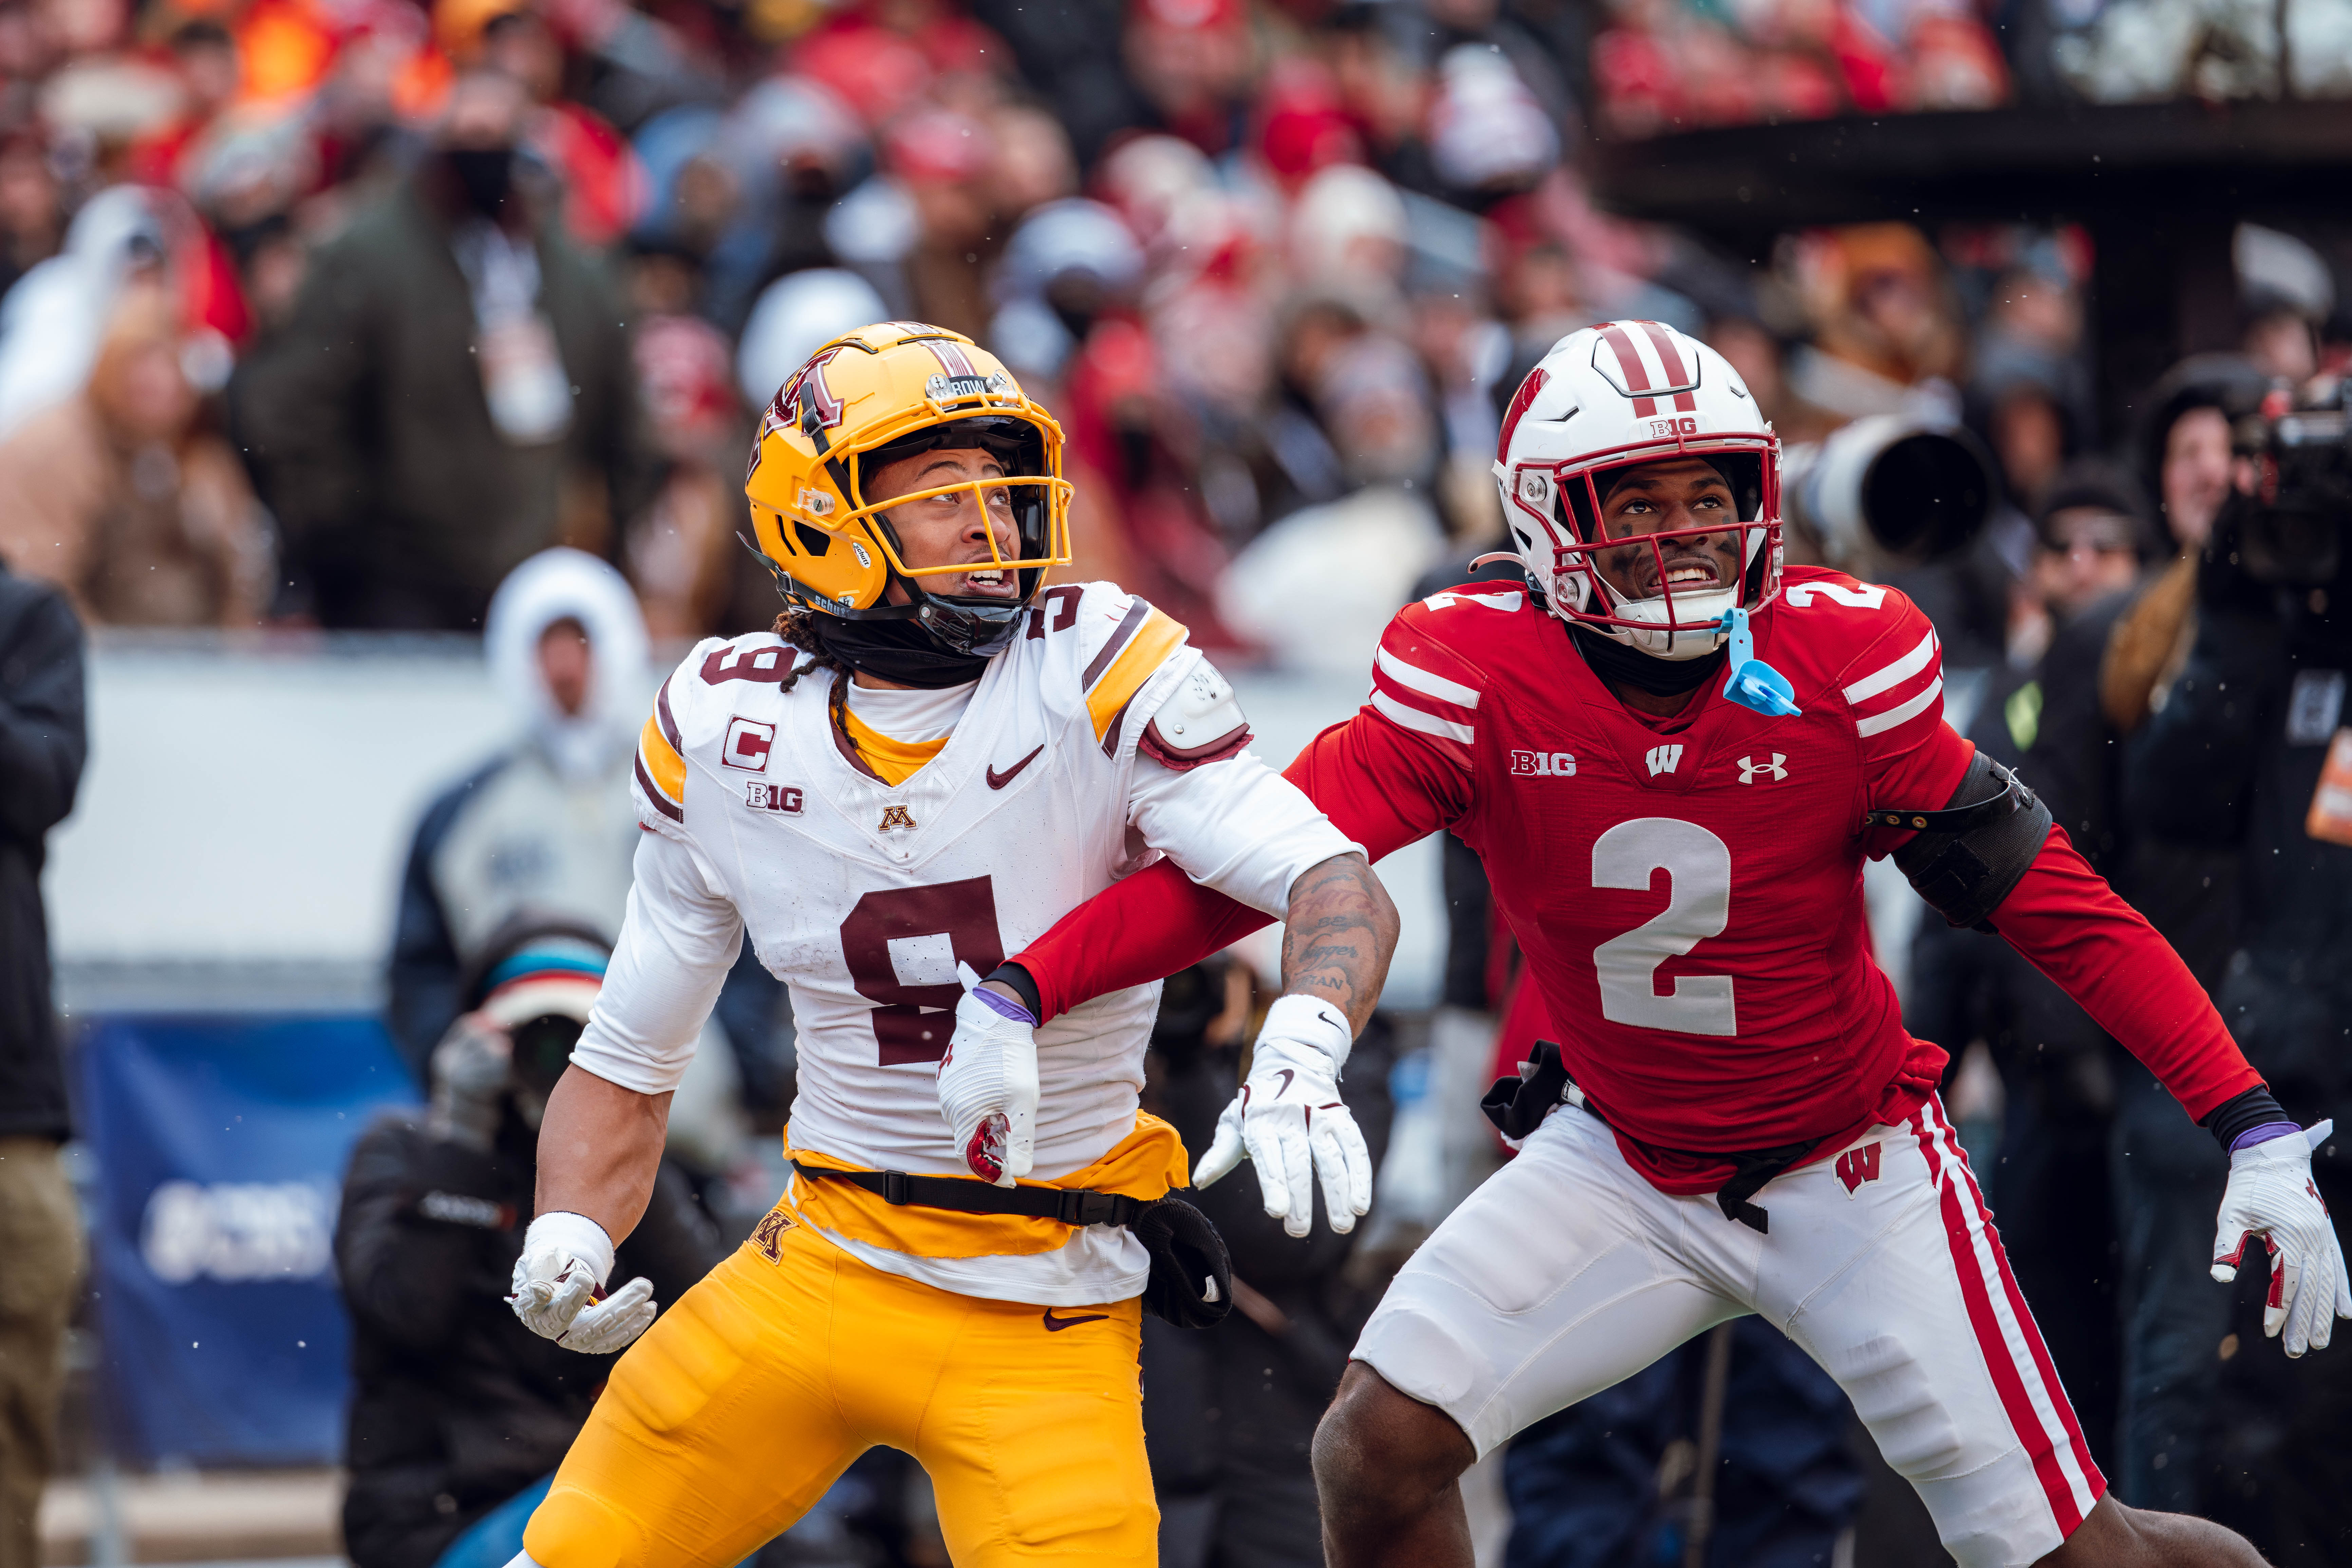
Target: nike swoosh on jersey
[[1055, 1325], [998, 781]]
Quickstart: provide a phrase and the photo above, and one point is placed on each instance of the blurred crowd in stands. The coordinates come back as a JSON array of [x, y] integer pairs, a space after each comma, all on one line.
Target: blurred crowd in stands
[[333, 311]]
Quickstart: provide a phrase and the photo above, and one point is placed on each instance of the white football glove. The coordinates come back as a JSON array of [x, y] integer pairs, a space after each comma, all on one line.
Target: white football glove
[[988, 1083], [1290, 1121], [2270, 1195], [565, 1257]]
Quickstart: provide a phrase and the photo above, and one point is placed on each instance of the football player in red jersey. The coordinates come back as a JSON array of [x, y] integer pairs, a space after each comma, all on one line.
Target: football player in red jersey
[[1672, 756]]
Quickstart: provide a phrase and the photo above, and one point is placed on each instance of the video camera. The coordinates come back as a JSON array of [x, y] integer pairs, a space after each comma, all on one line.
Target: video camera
[[2290, 526], [1888, 492]]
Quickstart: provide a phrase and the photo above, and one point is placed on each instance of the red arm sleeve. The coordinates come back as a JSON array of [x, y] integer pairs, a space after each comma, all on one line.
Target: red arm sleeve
[[1378, 783], [2070, 925]]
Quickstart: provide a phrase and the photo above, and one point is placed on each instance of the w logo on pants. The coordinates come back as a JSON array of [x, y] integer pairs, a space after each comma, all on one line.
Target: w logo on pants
[[1856, 1167]]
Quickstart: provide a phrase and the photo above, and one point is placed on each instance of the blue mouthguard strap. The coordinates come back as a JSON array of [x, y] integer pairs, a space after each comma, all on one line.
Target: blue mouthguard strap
[[1752, 683]]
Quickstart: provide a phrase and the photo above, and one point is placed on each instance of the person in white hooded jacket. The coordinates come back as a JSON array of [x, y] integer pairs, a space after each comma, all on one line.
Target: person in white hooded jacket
[[546, 827]]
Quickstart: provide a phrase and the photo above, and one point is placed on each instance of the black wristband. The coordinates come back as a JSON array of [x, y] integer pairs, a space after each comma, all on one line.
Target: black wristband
[[2234, 1118], [1014, 975]]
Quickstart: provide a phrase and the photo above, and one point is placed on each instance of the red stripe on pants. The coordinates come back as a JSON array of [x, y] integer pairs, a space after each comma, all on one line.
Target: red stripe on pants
[[1999, 1360], [2096, 1482]]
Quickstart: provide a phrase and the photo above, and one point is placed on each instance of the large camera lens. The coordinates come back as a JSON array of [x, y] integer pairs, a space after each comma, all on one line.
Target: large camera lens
[[1925, 496], [1888, 492]]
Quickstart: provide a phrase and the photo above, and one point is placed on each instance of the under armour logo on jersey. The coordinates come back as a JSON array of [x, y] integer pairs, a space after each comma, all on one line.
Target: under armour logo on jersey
[[1750, 768], [1665, 759], [1856, 1167], [1546, 765], [895, 816]]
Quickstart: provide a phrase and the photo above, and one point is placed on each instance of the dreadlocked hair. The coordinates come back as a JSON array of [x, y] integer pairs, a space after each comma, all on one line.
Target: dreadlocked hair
[[798, 627]]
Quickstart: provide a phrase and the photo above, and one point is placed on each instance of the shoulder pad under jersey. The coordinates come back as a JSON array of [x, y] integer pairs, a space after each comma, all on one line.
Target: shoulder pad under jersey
[[694, 708], [1862, 645], [1428, 674], [1119, 643], [1200, 722]]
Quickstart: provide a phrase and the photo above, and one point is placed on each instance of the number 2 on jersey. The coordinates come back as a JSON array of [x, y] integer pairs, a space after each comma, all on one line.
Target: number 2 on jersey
[[1698, 905], [902, 945]]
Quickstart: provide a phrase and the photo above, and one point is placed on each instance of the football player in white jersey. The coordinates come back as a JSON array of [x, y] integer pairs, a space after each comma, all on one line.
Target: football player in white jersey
[[927, 764]]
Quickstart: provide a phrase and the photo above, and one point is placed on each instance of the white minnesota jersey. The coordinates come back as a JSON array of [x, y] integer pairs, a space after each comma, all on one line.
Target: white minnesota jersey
[[863, 896]]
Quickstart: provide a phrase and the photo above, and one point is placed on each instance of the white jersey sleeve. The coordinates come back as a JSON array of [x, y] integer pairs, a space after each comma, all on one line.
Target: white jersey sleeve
[[678, 939], [1235, 826]]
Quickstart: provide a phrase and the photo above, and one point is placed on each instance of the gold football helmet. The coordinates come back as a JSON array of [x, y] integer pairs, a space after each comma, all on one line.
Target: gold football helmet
[[878, 395]]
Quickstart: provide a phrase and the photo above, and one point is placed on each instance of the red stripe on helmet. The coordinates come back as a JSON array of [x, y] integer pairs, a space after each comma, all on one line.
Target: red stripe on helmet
[[1670, 358], [1645, 406], [1628, 360], [1685, 401], [1521, 401]]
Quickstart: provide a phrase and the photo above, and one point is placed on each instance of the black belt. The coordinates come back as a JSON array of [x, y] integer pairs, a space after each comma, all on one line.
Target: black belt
[[1071, 1206], [1518, 1105]]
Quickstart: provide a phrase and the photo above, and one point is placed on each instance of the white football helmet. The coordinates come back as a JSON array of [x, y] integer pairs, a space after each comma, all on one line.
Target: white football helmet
[[1611, 397]]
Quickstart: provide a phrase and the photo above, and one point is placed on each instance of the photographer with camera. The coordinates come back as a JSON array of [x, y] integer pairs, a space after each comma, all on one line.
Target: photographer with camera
[[2246, 753], [460, 1413]]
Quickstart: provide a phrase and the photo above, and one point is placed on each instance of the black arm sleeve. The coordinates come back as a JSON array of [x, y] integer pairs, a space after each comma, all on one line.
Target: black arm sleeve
[[1965, 858]]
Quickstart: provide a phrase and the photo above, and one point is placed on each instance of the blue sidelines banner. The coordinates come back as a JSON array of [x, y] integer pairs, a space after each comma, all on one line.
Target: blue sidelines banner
[[221, 1143]]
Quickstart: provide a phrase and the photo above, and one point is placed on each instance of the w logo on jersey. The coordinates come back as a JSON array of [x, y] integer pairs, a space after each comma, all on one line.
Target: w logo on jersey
[[1665, 759], [1856, 1167]]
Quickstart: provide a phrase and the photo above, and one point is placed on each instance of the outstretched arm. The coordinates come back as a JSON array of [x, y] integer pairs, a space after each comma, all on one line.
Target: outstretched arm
[[1380, 787], [1339, 936], [2073, 928]]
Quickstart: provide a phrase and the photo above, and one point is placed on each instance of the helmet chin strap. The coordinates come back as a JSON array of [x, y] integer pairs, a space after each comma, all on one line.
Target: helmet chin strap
[[1616, 661], [898, 652]]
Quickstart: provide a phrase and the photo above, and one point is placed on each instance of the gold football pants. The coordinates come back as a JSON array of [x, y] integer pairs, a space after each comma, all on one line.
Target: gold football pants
[[748, 1398]]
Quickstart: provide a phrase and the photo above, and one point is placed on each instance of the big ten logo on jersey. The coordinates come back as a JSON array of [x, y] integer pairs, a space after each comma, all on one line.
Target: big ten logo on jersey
[[747, 741], [782, 799], [1856, 1167], [1543, 764], [1666, 429], [902, 946]]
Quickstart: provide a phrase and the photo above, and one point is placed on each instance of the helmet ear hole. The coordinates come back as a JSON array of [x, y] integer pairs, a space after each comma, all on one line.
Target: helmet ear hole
[[815, 541]]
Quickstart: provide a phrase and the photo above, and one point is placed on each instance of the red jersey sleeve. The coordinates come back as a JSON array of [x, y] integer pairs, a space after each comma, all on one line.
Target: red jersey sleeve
[[1894, 692], [1425, 689], [1384, 782], [2068, 922]]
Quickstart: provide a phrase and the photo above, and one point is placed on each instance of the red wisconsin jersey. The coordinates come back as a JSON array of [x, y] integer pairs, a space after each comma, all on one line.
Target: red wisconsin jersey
[[1688, 892]]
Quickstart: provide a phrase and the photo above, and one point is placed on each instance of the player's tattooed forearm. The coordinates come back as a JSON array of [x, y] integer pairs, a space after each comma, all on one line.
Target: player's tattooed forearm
[[1339, 934]]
